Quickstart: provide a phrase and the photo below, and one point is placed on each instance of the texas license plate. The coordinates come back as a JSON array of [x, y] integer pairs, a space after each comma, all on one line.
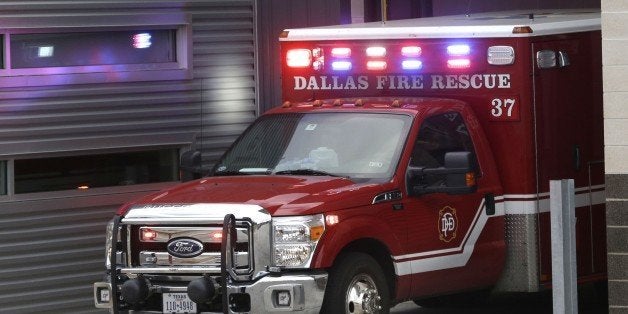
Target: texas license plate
[[178, 303]]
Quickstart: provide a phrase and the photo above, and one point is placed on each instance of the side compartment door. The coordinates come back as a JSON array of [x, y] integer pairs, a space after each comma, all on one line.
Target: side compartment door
[[450, 242], [569, 143]]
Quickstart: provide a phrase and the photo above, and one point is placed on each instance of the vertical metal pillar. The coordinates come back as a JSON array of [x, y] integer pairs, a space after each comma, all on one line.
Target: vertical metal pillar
[[563, 222]]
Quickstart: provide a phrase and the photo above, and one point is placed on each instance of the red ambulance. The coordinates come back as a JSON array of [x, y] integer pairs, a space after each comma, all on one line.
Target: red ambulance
[[410, 161]]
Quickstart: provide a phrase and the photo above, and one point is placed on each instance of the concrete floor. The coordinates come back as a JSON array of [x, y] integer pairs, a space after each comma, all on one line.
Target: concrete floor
[[539, 303]]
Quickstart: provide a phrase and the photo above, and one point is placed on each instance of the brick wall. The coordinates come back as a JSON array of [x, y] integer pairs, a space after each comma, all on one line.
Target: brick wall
[[615, 62]]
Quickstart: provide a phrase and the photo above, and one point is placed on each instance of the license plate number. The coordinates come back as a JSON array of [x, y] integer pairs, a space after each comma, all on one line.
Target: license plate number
[[178, 303]]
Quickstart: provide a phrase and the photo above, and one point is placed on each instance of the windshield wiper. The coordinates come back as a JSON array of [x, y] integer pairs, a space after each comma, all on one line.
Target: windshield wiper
[[307, 172], [231, 173]]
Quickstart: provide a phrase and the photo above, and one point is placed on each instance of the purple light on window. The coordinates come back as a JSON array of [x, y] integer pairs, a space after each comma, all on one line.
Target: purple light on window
[[141, 40]]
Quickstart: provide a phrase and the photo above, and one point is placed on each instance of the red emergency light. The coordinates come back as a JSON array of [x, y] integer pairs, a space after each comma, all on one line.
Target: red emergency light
[[459, 63], [148, 235], [411, 51], [376, 65], [341, 52]]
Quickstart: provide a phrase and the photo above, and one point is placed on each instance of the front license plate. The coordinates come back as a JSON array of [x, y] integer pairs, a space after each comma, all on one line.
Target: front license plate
[[178, 303]]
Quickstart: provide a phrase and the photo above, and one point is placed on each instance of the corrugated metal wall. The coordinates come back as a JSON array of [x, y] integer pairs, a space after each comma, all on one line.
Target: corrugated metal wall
[[52, 244], [277, 15]]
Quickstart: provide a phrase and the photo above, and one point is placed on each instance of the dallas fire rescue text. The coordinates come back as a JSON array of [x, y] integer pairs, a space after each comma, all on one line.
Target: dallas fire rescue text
[[431, 81]]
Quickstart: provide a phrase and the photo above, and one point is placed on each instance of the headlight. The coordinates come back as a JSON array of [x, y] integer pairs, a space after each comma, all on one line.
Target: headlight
[[120, 256], [295, 239]]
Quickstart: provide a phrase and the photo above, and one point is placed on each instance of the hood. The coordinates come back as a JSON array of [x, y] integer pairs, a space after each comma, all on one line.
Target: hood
[[279, 195]]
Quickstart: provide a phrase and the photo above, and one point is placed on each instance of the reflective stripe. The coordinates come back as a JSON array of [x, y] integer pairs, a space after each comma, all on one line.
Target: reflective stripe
[[419, 263], [509, 204], [527, 204]]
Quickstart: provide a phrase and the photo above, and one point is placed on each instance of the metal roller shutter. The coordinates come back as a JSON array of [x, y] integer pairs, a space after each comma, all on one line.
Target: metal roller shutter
[[52, 246]]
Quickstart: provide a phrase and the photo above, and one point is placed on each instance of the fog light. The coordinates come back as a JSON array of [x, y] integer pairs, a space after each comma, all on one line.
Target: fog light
[[283, 298]]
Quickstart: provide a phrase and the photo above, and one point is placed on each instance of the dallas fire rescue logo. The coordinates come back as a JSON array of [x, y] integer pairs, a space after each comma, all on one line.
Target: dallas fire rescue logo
[[447, 224], [403, 82]]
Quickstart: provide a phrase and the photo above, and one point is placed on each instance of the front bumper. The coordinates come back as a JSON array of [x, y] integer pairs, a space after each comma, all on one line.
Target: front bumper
[[299, 292], [239, 282]]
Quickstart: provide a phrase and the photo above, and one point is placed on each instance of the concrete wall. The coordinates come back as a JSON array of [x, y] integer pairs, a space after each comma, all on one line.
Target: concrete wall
[[615, 67]]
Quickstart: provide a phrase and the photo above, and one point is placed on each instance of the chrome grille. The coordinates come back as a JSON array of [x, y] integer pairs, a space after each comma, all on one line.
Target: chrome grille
[[250, 254], [152, 252]]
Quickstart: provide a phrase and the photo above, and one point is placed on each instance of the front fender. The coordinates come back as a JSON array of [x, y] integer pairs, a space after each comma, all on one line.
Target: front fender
[[354, 225]]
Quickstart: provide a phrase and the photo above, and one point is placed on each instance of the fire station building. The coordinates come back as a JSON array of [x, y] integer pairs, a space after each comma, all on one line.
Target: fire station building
[[99, 99]]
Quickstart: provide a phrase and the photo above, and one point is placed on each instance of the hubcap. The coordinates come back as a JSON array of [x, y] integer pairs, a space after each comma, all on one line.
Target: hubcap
[[362, 296]]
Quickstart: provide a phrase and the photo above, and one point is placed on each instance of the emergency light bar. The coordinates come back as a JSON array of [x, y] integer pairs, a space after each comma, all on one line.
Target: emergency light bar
[[408, 57]]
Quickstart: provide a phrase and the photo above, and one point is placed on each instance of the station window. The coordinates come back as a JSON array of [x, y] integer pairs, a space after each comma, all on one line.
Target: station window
[[92, 171], [3, 177], [92, 48]]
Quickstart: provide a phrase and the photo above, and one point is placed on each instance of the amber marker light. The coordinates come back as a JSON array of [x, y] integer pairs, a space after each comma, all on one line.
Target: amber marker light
[[470, 179], [316, 232]]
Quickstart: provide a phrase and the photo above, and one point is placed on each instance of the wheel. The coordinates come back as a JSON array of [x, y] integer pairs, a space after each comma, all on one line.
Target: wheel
[[356, 285]]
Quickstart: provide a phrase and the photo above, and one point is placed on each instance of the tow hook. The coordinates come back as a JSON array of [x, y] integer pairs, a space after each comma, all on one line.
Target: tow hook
[[202, 290], [135, 290]]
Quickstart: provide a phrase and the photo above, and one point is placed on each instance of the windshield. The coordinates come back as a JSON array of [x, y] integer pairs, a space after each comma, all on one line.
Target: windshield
[[347, 144]]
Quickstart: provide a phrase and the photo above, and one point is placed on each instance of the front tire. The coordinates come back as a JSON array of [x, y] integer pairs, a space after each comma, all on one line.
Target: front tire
[[356, 285]]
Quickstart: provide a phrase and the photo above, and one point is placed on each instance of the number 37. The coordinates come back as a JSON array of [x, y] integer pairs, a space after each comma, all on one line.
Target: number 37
[[505, 109]]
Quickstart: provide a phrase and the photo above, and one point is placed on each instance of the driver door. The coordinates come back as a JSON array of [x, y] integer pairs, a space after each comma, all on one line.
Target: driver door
[[447, 243]]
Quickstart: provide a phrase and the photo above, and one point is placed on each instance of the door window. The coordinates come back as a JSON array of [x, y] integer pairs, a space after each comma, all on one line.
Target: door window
[[438, 135]]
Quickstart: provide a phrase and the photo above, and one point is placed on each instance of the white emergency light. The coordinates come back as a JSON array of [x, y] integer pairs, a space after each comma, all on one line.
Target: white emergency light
[[341, 65], [375, 52], [500, 55], [546, 59], [458, 50], [299, 58], [411, 64]]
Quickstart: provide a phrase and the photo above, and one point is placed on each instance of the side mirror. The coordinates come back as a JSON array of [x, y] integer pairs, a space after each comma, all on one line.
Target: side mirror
[[190, 165], [456, 177]]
